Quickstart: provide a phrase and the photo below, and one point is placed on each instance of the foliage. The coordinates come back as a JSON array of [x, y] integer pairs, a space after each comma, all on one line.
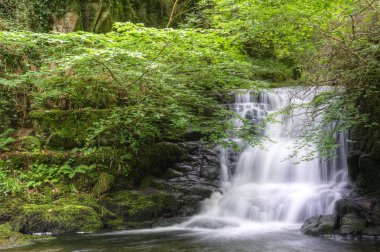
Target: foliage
[[282, 28], [6, 140], [30, 14], [151, 84], [349, 60], [38, 176]]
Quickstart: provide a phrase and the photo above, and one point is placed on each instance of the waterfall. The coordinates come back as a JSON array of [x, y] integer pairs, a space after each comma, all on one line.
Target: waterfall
[[266, 184]]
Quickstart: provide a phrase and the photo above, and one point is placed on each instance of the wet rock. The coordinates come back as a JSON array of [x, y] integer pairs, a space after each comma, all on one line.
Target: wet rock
[[190, 179], [363, 170], [372, 231], [352, 224], [375, 215], [319, 225], [347, 206], [158, 158]]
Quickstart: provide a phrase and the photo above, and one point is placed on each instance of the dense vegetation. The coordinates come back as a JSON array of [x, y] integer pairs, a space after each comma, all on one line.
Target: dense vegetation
[[119, 92], [79, 111]]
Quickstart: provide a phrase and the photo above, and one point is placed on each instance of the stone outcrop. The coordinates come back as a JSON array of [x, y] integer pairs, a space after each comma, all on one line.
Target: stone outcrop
[[354, 217], [191, 179], [98, 16], [364, 171]]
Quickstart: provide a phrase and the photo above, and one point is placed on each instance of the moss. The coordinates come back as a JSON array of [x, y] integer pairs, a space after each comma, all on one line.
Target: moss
[[108, 156], [156, 159], [13, 105], [57, 219], [16, 160], [9, 208], [10, 238], [104, 184], [138, 206], [65, 128], [110, 220]]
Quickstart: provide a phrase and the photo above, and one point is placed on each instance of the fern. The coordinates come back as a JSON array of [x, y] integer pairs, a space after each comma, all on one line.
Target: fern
[[6, 140]]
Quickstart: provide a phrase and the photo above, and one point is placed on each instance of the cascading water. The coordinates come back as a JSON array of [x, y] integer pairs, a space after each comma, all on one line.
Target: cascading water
[[265, 185]]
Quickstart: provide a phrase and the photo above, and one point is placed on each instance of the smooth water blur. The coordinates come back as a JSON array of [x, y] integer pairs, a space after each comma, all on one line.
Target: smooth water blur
[[267, 184], [254, 239]]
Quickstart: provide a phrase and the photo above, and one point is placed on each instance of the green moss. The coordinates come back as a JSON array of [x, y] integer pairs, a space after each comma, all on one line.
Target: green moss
[[104, 184], [17, 160], [109, 219], [138, 206], [65, 128], [157, 158], [9, 208], [58, 219], [10, 238]]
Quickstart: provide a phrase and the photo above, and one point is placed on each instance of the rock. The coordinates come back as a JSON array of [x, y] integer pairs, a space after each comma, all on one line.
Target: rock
[[142, 206], [375, 215], [352, 224], [190, 179], [193, 136], [67, 23], [158, 158], [103, 184], [9, 238], [347, 206], [320, 225], [372, 231], [57, 219], [363, 169]]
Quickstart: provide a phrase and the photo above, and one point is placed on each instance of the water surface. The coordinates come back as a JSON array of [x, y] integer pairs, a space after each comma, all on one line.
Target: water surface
[[253, 238]]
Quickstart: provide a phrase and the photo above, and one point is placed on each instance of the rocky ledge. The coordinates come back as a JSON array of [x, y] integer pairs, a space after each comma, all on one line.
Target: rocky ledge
[[357, 217]]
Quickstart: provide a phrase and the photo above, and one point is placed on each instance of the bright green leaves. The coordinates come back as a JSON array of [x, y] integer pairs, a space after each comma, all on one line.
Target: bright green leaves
[[154, 84], [285, 27], [6, 140]]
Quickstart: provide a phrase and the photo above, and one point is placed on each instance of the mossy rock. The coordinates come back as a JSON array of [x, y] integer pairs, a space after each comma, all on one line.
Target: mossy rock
[[10, 238], [8, 210], [57, 219], [110, 220], [104, 184], [157, 158], [138, 206]]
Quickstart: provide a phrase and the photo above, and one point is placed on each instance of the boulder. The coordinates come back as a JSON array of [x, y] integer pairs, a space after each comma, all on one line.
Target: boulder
[[364, 171], [103, 184], [142, 206], [320, 225], [347, 206], [57, 219], [375, 215], [352, 224], [372, 231], [9, 238]]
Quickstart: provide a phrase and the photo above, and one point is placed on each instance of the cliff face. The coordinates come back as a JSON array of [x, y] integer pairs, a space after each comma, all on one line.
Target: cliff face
[[98, 15], [364, 156]]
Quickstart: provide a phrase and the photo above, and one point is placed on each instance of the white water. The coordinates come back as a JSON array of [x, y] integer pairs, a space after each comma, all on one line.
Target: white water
[[267, 186]]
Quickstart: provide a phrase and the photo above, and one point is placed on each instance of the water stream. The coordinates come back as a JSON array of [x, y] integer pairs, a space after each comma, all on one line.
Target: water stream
[[266, 184]]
